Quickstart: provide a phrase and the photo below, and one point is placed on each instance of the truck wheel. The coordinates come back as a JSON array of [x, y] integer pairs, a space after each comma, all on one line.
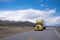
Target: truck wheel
[[44, 27]]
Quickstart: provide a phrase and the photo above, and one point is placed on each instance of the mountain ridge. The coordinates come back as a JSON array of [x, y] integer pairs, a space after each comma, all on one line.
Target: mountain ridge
[[16, 23]]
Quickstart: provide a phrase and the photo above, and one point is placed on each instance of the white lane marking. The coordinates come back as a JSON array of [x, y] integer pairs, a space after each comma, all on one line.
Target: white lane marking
[[56, 32]]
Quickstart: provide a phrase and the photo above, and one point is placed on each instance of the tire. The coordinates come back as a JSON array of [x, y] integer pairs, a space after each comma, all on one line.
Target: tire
[[44, 27], [36, 30]]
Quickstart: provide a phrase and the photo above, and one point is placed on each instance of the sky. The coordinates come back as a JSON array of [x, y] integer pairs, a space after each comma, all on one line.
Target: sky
[[31, 10]]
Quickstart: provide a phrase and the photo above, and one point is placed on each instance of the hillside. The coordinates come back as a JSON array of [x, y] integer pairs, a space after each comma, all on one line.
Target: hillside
[[8, 28], [14, 23]]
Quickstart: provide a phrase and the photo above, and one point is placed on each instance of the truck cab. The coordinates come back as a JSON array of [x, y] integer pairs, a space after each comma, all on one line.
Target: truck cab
[[39, 25]]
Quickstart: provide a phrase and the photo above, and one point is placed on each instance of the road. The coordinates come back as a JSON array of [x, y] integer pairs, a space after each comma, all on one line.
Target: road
[[49, 34]]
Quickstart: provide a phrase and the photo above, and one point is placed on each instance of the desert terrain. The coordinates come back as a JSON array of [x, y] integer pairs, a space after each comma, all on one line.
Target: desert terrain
[[9, 30]]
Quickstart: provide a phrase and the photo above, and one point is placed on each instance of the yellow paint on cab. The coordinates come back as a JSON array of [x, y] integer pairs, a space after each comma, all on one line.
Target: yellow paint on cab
[[39, 24], [38, 27]]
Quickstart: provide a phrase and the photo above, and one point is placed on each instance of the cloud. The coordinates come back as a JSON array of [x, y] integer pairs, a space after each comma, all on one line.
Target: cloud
[[31, 15], [53, 21], [52, 11], [27, 14], [42, 5]]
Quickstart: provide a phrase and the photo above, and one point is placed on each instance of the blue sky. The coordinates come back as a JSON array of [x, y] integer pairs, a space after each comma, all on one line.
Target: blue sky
[[47, 9], [26, 4]]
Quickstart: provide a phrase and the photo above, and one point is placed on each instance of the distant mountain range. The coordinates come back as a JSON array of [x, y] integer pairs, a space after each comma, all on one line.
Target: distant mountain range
[[14, 23], [20, 23]]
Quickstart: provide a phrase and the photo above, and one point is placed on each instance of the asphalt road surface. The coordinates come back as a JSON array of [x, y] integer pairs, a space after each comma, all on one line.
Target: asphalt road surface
[[49, 34]]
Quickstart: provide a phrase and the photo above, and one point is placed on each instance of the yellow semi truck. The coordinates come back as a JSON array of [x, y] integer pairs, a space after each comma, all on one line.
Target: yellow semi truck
[[39, 25]]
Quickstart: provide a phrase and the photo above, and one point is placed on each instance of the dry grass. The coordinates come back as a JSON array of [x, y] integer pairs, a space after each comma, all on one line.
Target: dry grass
[[8, 31]]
